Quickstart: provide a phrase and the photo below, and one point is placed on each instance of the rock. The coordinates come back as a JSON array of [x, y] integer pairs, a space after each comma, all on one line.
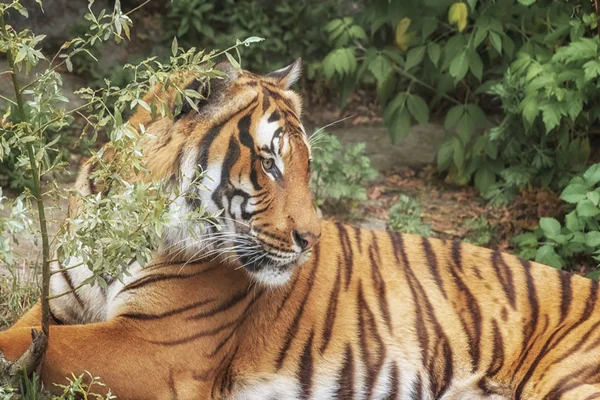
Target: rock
[[417, 150]]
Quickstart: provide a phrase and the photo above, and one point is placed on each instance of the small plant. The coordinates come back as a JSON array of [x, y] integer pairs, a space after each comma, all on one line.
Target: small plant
[[124, 221], [339, 173], [556, 244], [405, 217], [82, 387], [479, 232]]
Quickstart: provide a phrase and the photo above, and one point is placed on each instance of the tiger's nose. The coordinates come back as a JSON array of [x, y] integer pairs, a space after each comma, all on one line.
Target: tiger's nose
[[305, 240]]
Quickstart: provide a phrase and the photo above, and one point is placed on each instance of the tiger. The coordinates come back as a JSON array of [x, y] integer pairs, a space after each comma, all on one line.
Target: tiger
[[305, 308]]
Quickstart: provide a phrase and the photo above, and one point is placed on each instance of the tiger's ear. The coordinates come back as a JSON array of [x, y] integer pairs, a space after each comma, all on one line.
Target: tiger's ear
[[206, 88], [286, 77]]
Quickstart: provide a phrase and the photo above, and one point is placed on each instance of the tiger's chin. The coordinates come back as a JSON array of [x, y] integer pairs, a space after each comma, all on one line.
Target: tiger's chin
[[271, 273]]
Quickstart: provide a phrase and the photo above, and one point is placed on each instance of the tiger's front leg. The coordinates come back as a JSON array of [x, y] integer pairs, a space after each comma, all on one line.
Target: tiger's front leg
[[131, 366]]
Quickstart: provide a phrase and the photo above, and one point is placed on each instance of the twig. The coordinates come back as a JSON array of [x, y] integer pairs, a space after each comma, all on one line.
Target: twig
[[36, 190]]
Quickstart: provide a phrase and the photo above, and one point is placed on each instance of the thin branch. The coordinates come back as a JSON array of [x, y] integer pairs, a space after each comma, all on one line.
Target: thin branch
[[36, 190], [138, 7], [426, 85]]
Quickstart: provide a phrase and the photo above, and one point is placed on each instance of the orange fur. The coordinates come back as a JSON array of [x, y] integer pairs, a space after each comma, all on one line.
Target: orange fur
[[368, 315]]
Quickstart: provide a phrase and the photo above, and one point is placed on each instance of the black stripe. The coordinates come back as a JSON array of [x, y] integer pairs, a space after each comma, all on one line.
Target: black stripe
[[347, 252], [295, 325], [247, 141], [305, 374], [504, 273], [371, 344], [551, 343], [433, 265], [224, 188], [331, 309], [175, 311], [346, 382], [149, 279], [230, 303], [379, 282], [567, 294], [67, 277]]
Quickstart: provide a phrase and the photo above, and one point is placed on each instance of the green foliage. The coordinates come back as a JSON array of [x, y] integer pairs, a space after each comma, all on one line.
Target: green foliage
[[339, 173], [292, 28], [479, 232], [405, 217], [83, 387], [556, 244], [122, 223], [538, 60]]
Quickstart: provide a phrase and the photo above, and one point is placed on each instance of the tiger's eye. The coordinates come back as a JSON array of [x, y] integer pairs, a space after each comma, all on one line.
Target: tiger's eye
[[267, 163]]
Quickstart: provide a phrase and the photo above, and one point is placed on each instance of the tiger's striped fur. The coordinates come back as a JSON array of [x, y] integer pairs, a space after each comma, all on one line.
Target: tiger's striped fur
[[369, 315]]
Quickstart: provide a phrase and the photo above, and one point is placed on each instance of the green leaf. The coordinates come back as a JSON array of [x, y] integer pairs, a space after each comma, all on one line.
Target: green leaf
[[400, 126], [496, 41], [572, 222], [527, 2], [459, 67], [444, 155], [551, 114], [484, 179], [592, 175], [233, 61], [547, 255], [592, 239], [529, 109], [253, 39], [585, 208], [550, 226], [526, 240], [434, 51], [458, 155], [465, 128], [454, 115], [591, 70], [414, 57], [480, 35], [418, 108], [475, 64], [174, 47], [594, 197], [574, 193], [581, 49], [380, 67]]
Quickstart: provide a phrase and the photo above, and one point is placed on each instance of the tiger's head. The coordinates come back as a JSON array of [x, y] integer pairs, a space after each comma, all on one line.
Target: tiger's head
[[248, 140]]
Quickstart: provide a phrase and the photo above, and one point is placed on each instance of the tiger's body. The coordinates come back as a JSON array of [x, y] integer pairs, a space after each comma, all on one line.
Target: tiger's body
[[358, 315]]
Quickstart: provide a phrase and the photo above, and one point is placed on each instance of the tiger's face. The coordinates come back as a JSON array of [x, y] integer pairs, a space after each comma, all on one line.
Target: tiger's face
[[249, 141]]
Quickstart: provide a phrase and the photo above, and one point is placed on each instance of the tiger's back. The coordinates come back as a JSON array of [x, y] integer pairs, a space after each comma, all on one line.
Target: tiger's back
[[375, 315]]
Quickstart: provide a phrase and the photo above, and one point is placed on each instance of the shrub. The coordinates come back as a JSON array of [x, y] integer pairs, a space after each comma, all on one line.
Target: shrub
[[556, 244], [293, 28], [405, 217], [537, 60], [339, 173], [123, 223]]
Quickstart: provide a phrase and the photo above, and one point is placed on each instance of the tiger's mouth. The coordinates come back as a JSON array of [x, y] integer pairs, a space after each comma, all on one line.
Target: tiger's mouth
[[271, 269]]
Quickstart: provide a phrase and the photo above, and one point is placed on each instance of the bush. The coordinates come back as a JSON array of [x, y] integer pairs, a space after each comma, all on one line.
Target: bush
[[293, 28], [121, 224], [534, 62], [556, 244], [405, 217], [339, 173]]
